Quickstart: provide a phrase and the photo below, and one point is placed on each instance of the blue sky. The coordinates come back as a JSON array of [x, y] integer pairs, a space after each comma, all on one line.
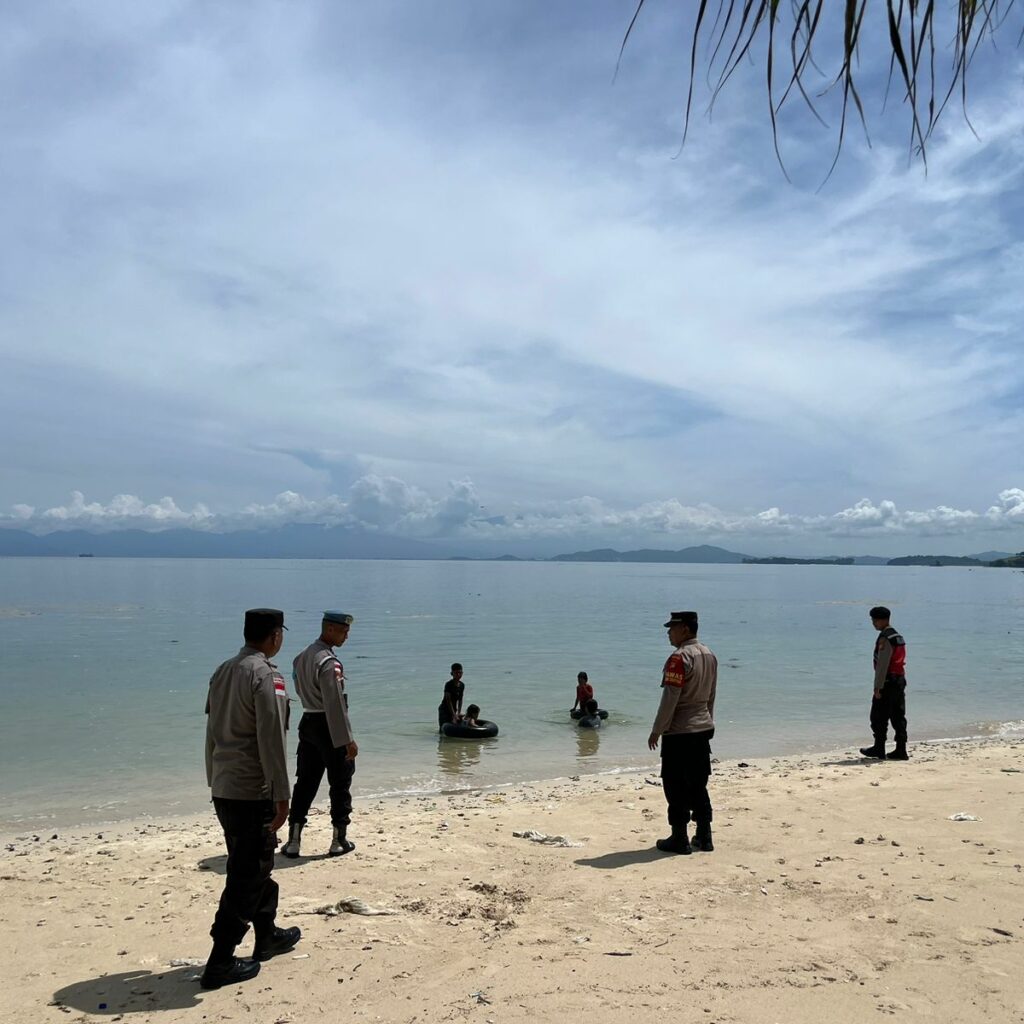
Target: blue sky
[[434, 273]]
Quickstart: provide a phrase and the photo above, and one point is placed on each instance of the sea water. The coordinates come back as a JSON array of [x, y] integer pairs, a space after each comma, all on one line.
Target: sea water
[[106, 664]]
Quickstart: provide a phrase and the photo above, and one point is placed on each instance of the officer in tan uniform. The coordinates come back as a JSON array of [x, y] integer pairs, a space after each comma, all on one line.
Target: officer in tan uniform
[[685, 724], [247, 771], [325, 736]]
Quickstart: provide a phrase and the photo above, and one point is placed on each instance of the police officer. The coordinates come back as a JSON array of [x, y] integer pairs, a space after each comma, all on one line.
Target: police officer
[[325, 736], [889, 703], [685, 724], [247, 771]]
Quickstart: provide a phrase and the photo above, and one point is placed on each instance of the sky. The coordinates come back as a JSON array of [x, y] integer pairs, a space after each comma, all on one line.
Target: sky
[[439, 271]]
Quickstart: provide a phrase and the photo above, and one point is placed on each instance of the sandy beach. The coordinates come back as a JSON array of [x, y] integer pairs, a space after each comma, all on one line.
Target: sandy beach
[[839, 890]]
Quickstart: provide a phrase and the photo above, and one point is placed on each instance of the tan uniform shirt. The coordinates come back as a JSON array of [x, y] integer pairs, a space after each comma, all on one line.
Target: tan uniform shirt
[[688, 686], [247, 715], [320, 683]]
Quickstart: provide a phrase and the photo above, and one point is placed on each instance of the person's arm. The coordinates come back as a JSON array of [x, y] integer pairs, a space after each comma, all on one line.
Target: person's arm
[[209, 741], [270, 737], [883, 652], [714, 691], [332, 689], [462, 691], [672, 682]]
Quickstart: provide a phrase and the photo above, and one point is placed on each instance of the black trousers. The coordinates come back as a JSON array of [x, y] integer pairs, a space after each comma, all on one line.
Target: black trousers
[[316, 755], [250, 894], [685, 770], [890, 707]]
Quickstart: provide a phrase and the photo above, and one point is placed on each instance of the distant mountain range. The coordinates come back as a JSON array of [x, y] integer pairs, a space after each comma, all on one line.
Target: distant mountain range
[[706, 553], [312, 541]]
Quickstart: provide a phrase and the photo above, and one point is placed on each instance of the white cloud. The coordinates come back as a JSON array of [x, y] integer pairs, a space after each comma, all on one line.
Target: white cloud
[[123, 511], [393, 507]]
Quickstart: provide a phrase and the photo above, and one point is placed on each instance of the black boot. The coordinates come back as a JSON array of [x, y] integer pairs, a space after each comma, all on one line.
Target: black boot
[[876, 751], [702, 838], [900, 753], [340, 844], [675, 843], [280, 940], [293, 846], [224, 970]]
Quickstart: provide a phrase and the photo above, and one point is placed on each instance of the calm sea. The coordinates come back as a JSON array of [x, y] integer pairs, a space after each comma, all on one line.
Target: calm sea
[[106, 663]]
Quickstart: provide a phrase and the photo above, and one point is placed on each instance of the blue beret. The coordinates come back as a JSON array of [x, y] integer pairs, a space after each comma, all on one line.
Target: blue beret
[[339, 618]]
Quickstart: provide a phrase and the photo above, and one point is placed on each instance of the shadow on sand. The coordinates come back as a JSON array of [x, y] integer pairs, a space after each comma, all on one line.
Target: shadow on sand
[[140, 991], [218, 865], [846, 762], [609, 861]]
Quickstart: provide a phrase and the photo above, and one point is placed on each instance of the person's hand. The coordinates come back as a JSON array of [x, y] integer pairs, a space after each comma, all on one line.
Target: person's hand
[[351, 750], [878, 694], [652, 741], [281, 816]]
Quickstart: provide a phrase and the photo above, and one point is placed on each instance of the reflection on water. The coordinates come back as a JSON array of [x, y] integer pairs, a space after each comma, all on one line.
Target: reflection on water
[[587, 742], [457, 757]]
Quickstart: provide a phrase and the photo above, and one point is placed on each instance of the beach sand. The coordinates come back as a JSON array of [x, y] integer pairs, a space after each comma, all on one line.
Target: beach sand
[[839, 891]]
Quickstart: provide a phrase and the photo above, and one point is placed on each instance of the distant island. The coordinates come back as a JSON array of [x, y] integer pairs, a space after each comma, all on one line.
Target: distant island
[[702, 553], [777, 560], [936, 560], [1010, 562], [302, 540]]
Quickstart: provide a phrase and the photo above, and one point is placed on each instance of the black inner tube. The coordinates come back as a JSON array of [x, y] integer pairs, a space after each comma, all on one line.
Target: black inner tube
[[459, 730], [577, 713]]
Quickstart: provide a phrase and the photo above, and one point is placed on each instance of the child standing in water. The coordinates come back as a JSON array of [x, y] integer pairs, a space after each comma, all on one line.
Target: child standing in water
[[450, 708]]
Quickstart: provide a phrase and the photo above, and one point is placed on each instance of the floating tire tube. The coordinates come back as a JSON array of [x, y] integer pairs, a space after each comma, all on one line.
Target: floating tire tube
[[589, 722], [576, 714], [459, 730]]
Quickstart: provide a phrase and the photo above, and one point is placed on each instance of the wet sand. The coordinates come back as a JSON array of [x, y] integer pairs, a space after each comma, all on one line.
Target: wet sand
[[839, 890]]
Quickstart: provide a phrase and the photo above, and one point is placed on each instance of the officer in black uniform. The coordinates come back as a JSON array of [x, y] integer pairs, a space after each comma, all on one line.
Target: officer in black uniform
[[247, 770], [325, 736]]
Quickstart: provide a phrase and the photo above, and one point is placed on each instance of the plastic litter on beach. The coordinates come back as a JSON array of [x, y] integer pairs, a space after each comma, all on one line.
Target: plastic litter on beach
[[539, 837], [962, 816], [351, 906]]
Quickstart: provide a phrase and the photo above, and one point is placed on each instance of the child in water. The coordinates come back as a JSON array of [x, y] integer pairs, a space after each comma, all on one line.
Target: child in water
[[472, 715], [584, 692], [450, 708]]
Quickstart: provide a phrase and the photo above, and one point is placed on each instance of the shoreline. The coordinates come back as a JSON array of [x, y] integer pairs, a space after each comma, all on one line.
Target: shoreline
[[122, 826], [838, 889], [1008, 730]]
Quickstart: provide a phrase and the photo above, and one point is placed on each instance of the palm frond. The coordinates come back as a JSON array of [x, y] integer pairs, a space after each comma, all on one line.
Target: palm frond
[[904, 29]]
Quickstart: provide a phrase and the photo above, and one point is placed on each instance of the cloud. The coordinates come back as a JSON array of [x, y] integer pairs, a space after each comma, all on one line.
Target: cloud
[[391, 506], [124, 511], [344, 254]]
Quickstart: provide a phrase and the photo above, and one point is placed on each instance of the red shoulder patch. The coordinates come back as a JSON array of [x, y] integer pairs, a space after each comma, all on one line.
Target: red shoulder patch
[[674, 673]]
